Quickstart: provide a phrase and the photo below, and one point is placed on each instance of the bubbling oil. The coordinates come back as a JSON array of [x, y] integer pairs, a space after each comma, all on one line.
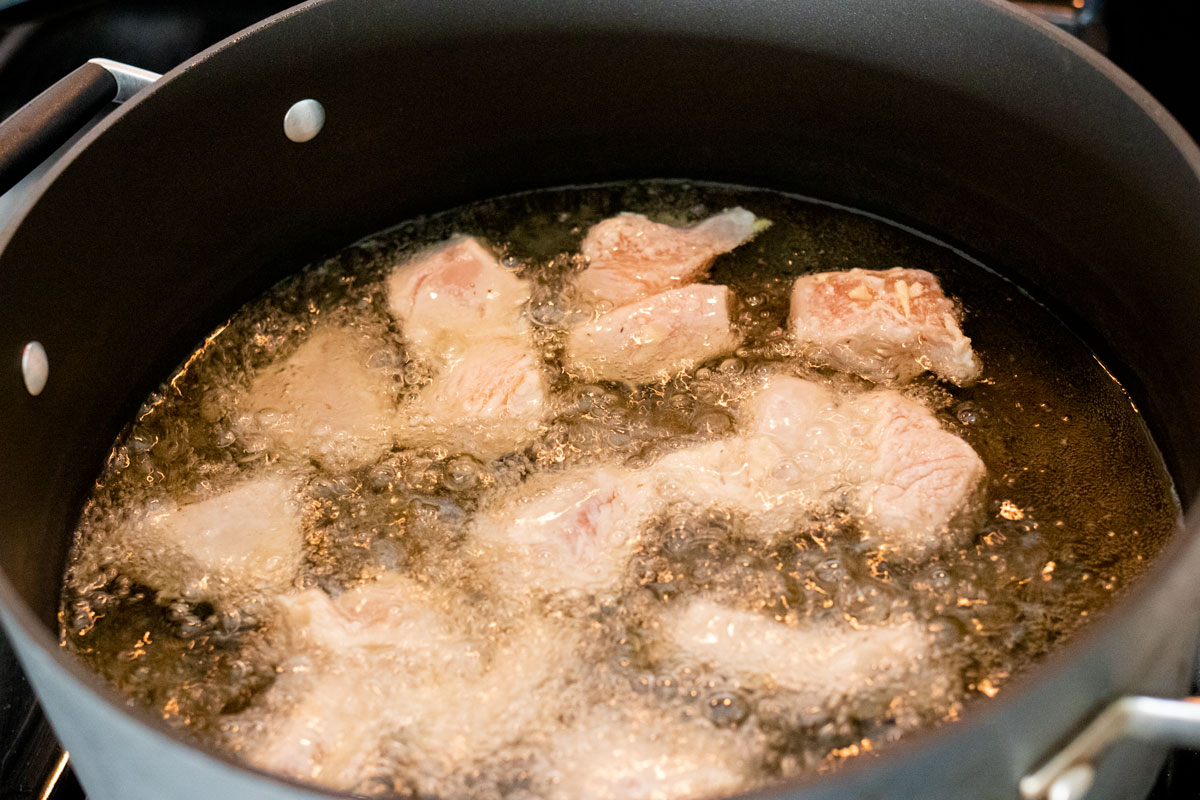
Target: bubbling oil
[[560, 691]]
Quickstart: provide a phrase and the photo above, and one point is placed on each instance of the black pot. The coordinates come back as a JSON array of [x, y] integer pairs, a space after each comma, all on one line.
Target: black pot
[[968, 119]]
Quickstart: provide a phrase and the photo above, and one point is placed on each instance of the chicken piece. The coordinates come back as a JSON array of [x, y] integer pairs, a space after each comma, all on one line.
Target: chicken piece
[[635, 755], [655, 337], [883, 325], [462, 310], [629, 257], [825, 664], [244, 542], [456, 295], [323, 729], [801, 451], [532, 675], [795, 413], [375, 681], [392, 617], [322, 402], [564, 531], [782, 466], [488, 402], [364, 668], [918, 478], [725, 472]]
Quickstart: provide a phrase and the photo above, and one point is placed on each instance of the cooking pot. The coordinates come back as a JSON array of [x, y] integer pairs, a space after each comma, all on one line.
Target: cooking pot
[[968, 119]]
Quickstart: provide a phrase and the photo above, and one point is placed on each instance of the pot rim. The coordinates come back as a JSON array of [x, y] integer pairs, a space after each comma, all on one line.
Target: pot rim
[[1177, 555]]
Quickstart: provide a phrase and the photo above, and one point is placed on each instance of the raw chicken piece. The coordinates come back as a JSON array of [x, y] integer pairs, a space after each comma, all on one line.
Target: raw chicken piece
[[364, 668], [793, 412], [825, 663], [654, 337], [882, 325], [488, 402], [319, 728], [725, 472], [244, 542], [462, 310], [782, 466], [624, 755], [534, 672], [571, 530], [629, 257], [392, 617], [455, 295], [919, 478], [374, 681], [801, 451], [322, 402]]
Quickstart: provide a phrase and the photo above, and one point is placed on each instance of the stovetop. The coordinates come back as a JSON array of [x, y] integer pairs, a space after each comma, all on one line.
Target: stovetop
[[42, 40]]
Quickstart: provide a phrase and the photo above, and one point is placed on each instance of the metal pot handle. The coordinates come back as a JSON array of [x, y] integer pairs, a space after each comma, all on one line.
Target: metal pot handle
[[47, 121], [1068, 774]]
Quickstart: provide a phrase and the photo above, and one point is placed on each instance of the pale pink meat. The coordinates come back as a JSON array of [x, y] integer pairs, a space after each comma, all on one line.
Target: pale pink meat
[[919, 478], [392, 617], [323, 402], [398, 681], [488, 401], [242, 543], [655, 337], [463, 312], [616, 754], [572, 530], [315, 730], [883, 325], [791, 411], [783, 464], [629, 257], [801, 450], [454, 295], [826, 663], [364, 667]]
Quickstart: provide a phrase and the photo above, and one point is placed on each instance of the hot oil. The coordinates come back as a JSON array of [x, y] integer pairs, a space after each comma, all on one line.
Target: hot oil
[[1077, 503]]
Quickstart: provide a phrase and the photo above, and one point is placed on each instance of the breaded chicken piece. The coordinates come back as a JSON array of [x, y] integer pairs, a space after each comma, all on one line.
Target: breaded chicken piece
[[391, 617], [824, 663], [800, 450], [919, 480], [362, 668], [384, 671], [782, 465]]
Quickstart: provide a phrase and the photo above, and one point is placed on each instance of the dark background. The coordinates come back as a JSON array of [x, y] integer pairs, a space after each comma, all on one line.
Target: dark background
[[1156, 41]]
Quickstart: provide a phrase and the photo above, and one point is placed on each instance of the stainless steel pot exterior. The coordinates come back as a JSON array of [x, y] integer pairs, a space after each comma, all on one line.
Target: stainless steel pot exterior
[[963, 118]]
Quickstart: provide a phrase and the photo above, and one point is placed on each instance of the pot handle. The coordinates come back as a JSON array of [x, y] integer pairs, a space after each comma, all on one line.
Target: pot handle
[[1068, 774], [47, 121]]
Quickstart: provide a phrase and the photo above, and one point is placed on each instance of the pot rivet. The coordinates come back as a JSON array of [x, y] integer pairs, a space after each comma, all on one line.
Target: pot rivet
[[304, 120], [1072, 784], [35, 367]]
